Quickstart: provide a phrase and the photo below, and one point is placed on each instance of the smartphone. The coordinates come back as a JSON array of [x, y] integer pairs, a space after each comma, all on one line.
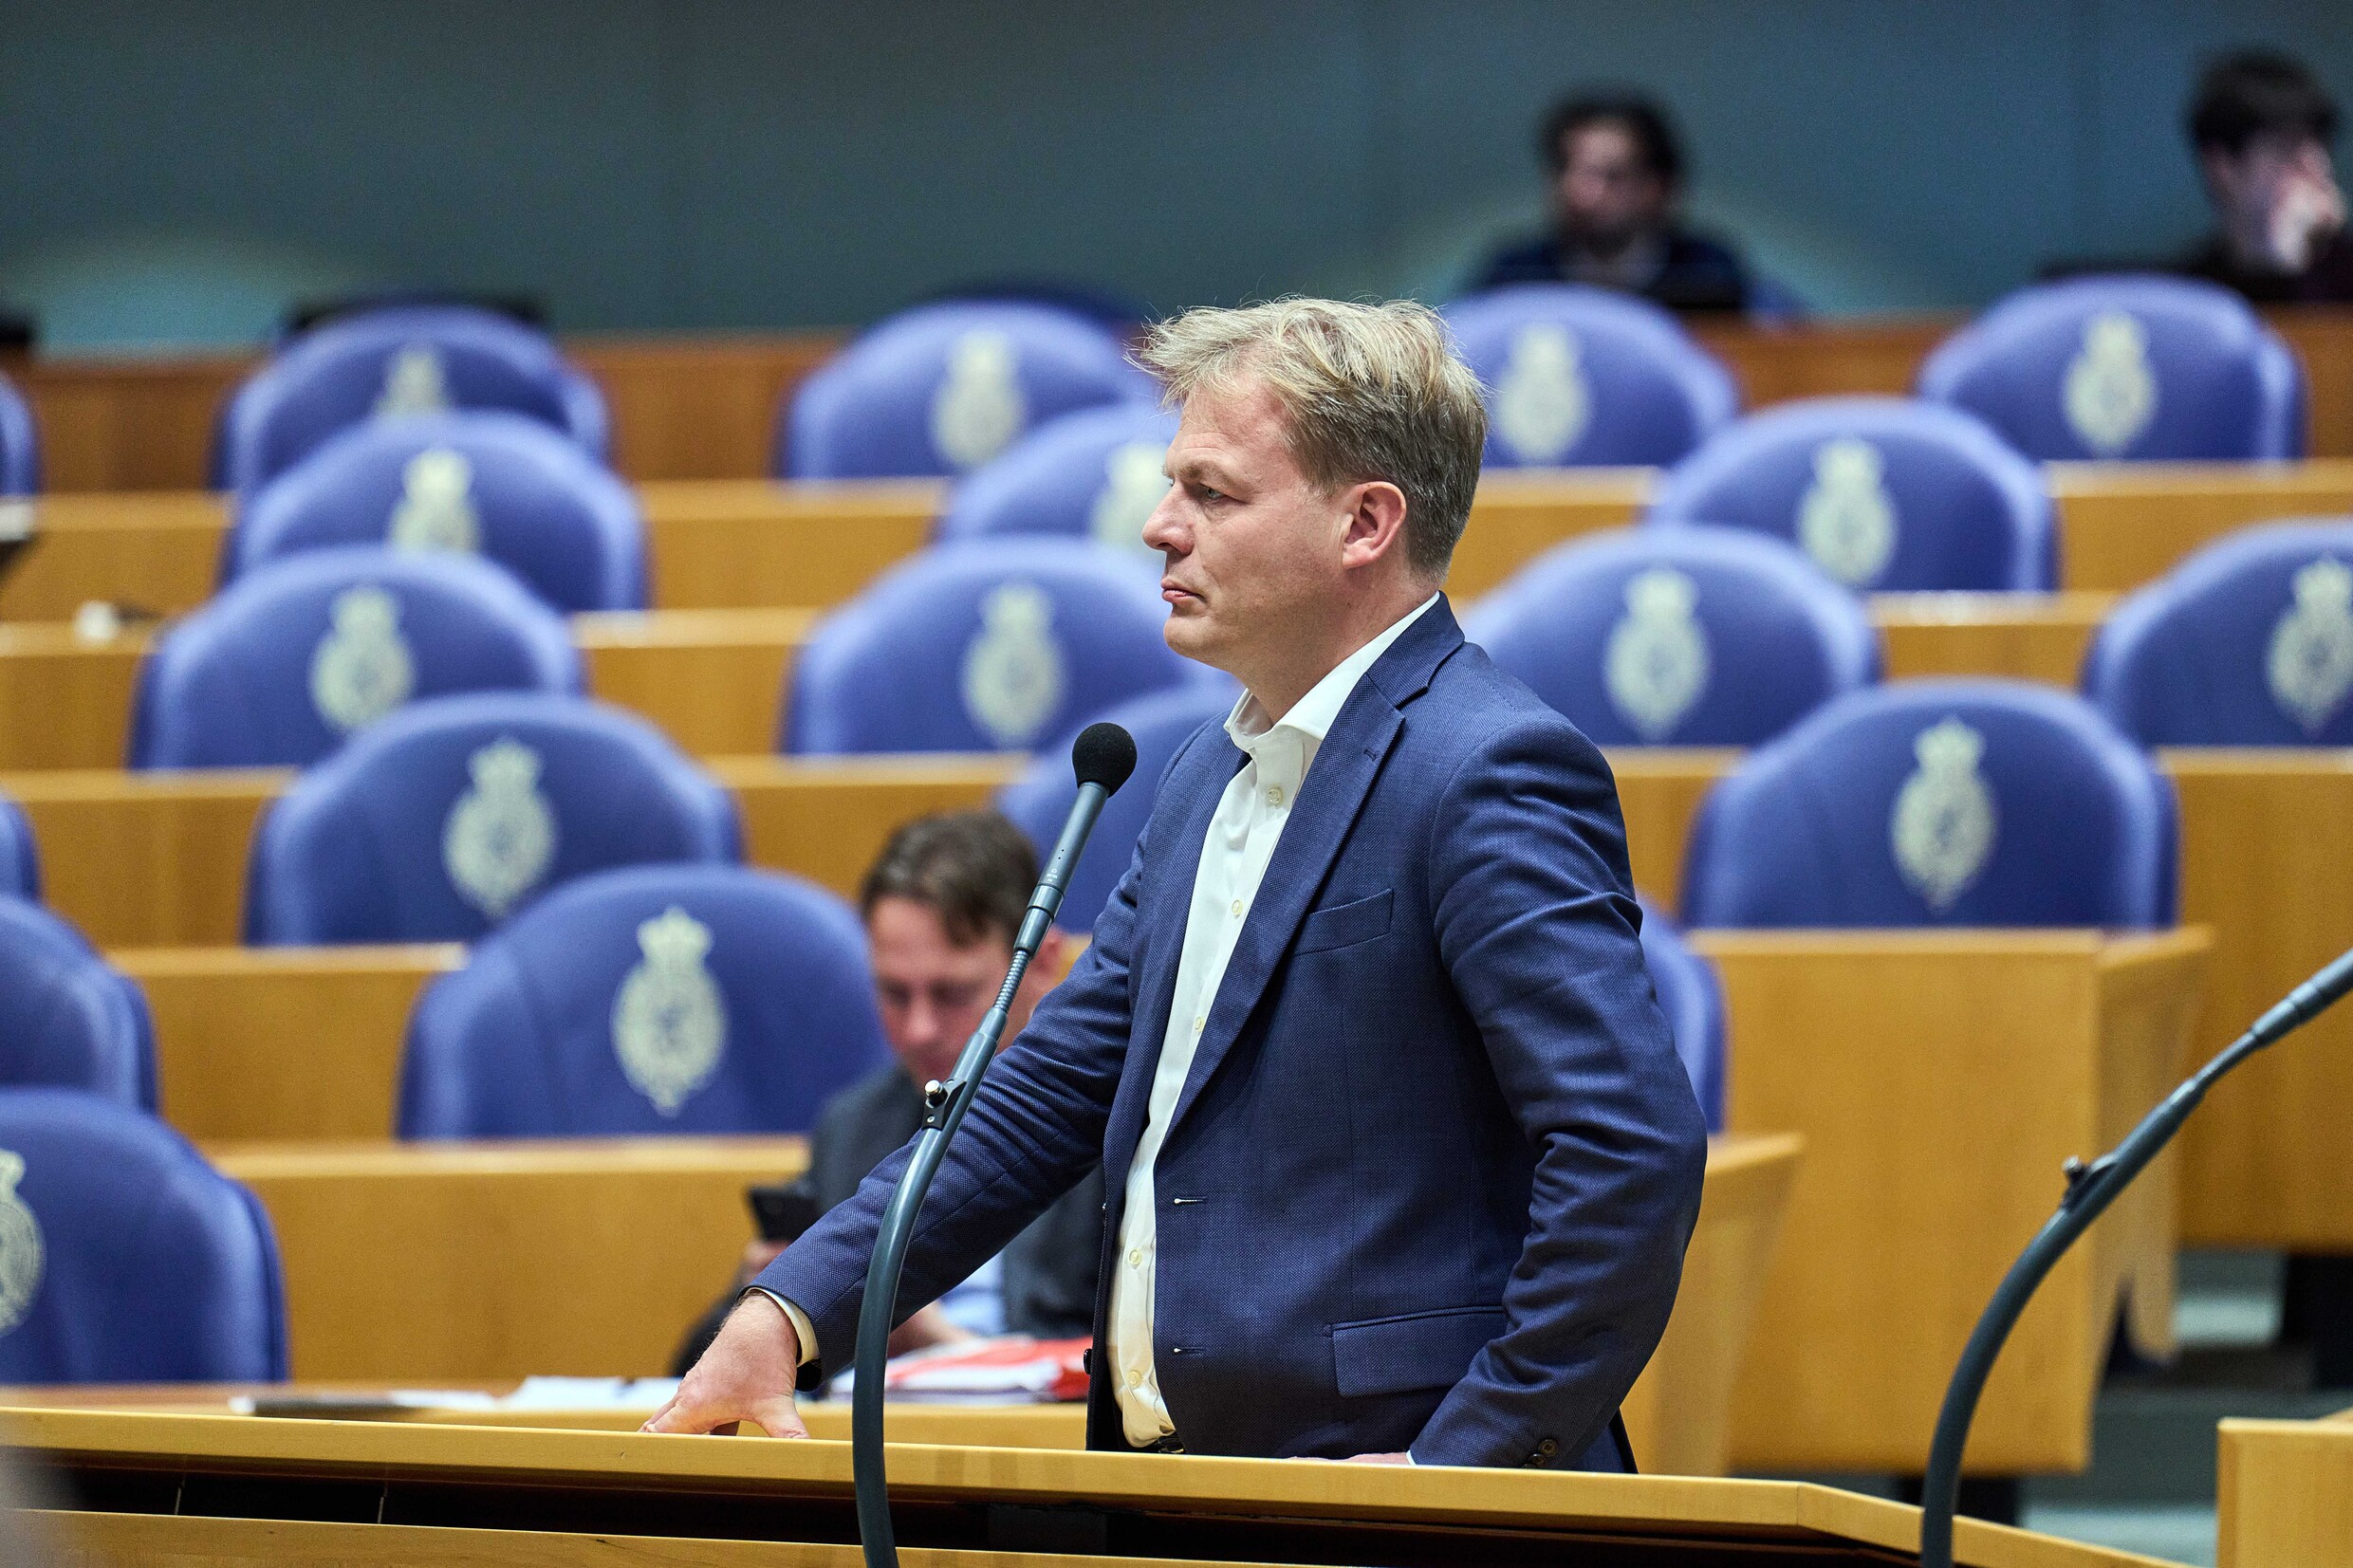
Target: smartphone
[[782, 1211]]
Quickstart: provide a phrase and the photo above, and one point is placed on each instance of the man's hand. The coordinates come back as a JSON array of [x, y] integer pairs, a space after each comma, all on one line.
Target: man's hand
[[1378, 1459], [748, 1374]]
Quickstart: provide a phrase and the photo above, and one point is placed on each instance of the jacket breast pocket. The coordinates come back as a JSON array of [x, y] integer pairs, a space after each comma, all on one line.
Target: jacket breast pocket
[[1421, 1349], [1344, 924]]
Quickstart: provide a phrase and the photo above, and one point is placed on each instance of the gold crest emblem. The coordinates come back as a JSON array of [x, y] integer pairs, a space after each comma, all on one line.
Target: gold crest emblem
[[500, 837], [1847, 520], [669, 1021], [414, 382], [1655, 663], [1134, 484], [1014, 674], [22, 1256], [979, 408], [2309, 664], [1543, 402], [436, 510], [2111, 389], [1943, 825], [361, 669]]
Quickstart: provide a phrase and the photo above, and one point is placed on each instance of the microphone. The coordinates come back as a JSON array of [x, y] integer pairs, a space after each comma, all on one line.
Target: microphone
[[1101, 759], [2090, 1189]]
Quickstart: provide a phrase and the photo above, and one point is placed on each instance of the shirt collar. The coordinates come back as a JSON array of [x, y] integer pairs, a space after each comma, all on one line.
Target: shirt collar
[[1311, 717]]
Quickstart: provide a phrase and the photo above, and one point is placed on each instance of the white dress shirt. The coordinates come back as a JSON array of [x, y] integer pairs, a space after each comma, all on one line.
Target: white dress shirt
[[1241, 843]]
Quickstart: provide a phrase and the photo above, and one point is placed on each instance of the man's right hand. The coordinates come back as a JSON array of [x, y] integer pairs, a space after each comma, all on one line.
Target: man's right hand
[[748, 1374]]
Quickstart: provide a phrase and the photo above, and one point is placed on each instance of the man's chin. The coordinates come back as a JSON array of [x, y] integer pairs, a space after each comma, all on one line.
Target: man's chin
[[1188, 634]]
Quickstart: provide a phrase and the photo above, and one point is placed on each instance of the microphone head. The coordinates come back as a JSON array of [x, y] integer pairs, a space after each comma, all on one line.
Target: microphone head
[[1103, 754]]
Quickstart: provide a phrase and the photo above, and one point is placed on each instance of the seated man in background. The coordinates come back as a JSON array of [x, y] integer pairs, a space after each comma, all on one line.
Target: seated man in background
[[1617, 169], [2260, 125], [941, 906]]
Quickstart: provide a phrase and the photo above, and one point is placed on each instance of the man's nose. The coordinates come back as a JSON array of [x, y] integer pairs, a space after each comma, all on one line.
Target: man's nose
[[1164, 529]]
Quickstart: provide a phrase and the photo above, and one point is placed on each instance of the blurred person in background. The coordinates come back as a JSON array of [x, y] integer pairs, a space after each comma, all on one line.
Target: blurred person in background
[[1616, 169], [2260, 126]]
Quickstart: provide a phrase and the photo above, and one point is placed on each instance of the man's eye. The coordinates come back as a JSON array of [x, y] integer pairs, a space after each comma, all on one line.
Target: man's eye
[[1205, 493]]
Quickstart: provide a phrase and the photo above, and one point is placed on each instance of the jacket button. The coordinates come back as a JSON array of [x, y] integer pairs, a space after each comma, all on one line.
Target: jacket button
[[1545, 1450]]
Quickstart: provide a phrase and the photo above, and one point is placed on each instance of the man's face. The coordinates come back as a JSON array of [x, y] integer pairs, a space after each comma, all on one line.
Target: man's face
[[1607, 196], [2250, 184], [1252, 544], [933, 993]]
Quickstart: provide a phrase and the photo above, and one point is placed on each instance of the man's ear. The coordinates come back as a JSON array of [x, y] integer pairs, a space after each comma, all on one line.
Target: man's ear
[[1376, 523]]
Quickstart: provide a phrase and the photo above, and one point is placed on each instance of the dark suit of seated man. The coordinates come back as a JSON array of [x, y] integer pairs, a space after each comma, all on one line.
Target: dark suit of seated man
[[1400, 1161], [942, 904]]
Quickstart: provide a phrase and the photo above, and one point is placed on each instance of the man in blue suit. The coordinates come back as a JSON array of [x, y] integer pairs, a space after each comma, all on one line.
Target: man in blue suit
[[1400, 1164]]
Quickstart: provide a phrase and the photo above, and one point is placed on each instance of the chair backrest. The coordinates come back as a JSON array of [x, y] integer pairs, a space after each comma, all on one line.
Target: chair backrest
[[437, 823], [124, 1258], [1885, 494], [989, 645], [494, 483], [2247, 642], [942, 388], [392, 364], [1692, 1000], [298, 654], [1584, 377], [1678, 637], [1096, 474], [1040, 799], [20, 859], [2141, 367], [20, 443], [653, 999], [67, 1018], [1938, 803]]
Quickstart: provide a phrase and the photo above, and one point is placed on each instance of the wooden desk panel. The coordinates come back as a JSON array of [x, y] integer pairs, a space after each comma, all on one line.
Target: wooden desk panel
[[1520, 513], [1660, 788], [827, 819], [2016, 637], [712, 680], [129, 423], [64, 699], [699, 407], [1939, 1078], [2285, 1494], [748, 544], [158, 552], [2122, 525]]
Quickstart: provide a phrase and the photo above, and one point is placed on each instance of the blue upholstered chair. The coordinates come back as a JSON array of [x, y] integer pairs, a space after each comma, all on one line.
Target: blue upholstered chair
[[124, 1258], [1885, 494], [1962, 803], [1692, 1000], [1678, 637], [67, 1018], [1039, 801], [391, 363], [1096, 474], [2247, 642], [2156, 368], [1578, 375], [942, 388], [700, 999], [989, 645], [497, 484], [440, 821], [298, 654], [20, 857], [20, 443]]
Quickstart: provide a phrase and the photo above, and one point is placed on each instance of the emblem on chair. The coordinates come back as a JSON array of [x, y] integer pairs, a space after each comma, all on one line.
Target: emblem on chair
[[501, 835], [2310, 662], [1134, 485], [669, 1021], [1655, 663], [1847, 520], [1543, 404], [21, 1253], [979, 408], [1013, 675], [362, 668], [413, 383], [2111, 390], [436, 510], [1943, 825]]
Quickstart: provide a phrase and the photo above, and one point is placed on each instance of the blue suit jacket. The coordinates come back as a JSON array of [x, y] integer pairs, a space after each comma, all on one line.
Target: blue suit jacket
[[1432, 1174]]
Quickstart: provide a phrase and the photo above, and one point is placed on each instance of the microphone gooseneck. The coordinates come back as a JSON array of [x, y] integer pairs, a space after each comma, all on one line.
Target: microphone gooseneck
[[1101, 759], [2090, 1189]]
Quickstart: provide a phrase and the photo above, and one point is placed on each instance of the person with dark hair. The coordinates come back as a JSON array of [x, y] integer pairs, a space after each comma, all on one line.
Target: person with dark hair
[[941, 905], [2260, 126], [1617, 168]]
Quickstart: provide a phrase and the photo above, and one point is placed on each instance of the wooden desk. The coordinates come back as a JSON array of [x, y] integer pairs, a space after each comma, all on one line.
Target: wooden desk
[[1939, 1078], [2016, 637], [2285, 1494], [2122, 525], [216, 1491]]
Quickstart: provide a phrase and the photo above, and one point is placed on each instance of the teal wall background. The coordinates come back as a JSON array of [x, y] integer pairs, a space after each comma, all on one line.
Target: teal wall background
[[175, 172]]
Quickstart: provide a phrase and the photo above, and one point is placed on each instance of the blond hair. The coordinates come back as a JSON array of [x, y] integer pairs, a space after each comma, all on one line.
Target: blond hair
[[1368, 392]]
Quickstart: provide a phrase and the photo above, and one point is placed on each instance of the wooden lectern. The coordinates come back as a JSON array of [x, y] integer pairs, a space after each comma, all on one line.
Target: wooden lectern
[[2285, 1494]]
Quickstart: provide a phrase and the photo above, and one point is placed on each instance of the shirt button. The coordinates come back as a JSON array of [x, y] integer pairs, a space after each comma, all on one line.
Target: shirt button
[[1197, 1024], [1274, 796], [1237, 908], [1136, 1257]]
